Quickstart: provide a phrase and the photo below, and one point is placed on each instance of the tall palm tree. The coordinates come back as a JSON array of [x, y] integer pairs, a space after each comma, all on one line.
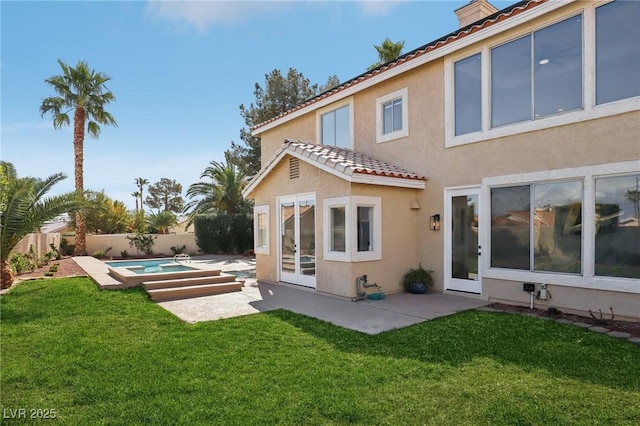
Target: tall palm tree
[[83, 91], [136, 195], [387, 51], [222, 192], [141, 182], [25, 210]]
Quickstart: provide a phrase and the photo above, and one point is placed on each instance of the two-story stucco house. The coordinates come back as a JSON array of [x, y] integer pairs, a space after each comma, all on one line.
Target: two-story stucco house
[[503, 153]]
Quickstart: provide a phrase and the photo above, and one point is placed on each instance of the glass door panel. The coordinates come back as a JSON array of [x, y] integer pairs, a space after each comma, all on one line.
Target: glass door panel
[[463, 249], [298, 240]]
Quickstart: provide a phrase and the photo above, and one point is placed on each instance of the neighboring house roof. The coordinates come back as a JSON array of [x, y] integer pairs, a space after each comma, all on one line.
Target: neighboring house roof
[[349, 165], [490, 20]]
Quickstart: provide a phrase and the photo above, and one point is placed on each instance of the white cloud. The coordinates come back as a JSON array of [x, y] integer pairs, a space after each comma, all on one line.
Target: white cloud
[[204, 14]]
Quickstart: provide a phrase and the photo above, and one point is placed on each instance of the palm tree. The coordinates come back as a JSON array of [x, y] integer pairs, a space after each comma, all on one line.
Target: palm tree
[[83, 91], [387, 51], [25, 210], [222, 193], [136, 195], [141, 182], [162, 221]]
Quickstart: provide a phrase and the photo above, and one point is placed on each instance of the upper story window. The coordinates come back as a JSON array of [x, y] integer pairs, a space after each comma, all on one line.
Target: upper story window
[[537, 75], [617, 51], [583, 67], [336, 127], [392, 116], [468, 94]]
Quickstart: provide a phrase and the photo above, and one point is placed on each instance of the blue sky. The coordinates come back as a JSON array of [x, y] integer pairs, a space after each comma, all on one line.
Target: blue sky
[[179, 72]]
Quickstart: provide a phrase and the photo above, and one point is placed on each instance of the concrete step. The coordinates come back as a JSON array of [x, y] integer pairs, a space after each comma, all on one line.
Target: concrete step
[[187, 292], [185, 282]]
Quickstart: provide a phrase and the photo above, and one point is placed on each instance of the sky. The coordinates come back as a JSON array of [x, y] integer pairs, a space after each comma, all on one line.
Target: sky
[[179, 71]]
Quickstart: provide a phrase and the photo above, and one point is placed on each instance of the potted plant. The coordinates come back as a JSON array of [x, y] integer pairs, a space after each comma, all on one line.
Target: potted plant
[[418, 280]]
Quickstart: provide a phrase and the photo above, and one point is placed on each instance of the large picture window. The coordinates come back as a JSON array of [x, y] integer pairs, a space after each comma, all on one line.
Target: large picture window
[[617, 240], [537, 227], [537, 75], [617, 51]]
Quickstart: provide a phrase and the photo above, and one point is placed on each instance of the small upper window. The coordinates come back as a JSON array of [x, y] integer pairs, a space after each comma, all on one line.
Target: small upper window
[[468, 95], [392, 117], [336, 129]]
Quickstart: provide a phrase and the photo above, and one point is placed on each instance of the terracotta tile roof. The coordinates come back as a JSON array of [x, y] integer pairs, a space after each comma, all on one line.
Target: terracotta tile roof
[[348, 162], [350, 165], [490, 20]]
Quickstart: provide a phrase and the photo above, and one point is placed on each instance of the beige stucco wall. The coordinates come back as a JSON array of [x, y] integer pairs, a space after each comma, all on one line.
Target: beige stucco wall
[[118, 243], [604, 140], [335, 277], [40, 242]]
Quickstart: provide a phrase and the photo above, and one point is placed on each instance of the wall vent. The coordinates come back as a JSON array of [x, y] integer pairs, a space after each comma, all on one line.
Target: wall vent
[[294, 168]]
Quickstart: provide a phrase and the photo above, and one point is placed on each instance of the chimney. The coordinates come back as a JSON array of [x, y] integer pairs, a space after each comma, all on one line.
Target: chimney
[[474, 11]]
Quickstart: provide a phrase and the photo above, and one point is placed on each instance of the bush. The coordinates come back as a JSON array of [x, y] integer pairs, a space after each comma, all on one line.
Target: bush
[[419, 275], [178, 250], [66, 248], [224, 232], [98, 254], [142, 243], [21, 263], [124, 254]]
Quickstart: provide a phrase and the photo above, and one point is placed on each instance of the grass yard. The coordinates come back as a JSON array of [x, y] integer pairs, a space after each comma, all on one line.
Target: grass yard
[[113, 357]]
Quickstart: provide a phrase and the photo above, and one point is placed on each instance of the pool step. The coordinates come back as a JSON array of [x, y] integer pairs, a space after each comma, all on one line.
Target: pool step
[[185, 288], [185, 282]]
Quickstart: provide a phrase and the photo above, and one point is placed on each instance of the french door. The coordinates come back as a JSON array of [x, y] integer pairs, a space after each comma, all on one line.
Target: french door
[[462, 237], [297, 242]]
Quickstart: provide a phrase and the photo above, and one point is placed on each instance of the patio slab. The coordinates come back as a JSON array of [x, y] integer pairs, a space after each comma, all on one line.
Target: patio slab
[[367, 316]]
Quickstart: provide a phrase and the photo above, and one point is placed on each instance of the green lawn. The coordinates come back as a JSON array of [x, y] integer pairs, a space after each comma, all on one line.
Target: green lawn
[[113, 357]]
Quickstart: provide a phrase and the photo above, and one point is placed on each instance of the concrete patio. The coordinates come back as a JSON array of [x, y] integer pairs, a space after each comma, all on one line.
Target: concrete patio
[[367, 316]]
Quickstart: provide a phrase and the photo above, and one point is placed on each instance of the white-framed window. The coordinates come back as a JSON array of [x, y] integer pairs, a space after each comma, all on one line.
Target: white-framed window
[[392, 116], [261, 229], [583, 66], [352, 228], [334, 124], [576, 227]]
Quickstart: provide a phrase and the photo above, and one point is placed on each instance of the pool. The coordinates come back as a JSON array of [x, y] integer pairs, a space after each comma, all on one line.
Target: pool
[[154, 266]]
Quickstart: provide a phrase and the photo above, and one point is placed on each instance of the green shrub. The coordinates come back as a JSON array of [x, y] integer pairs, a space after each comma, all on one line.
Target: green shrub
[[142, 243], [66, 248], [98, 254], [21, 263], [124, 254], [224, 232], [178, 250]]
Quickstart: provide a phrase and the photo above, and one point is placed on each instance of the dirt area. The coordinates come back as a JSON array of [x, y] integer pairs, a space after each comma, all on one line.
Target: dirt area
[[67, 267], [632, 328]]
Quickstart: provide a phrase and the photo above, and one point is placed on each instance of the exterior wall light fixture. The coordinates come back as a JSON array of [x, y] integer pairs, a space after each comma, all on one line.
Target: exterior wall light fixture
[[435, 222]]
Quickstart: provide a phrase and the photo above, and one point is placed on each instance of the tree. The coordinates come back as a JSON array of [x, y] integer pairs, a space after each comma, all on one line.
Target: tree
[[26, 209], [83, 91], [104, 215], [165, 195], [136, 196], [161, 222], [387, 51], [279, 94], [141, 182], [222, 191]]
